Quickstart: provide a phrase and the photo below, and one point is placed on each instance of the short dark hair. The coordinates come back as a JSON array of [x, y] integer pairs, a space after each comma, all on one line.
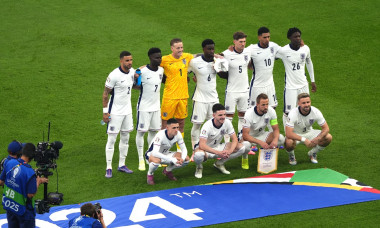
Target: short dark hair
[[124, 53], [302, 95], [172, 121], [261, 96], [217, 107], [174, 41], [293, 30], [239, 35], [153, 50], [29, 150], [207, 42], [88, 209], [262, 30]]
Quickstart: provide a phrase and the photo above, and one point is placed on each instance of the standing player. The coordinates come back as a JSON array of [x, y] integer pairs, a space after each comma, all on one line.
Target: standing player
[[256, 119], [205, 94], [174, 99], [148, 106], [209, 146], [263, 56], [159, 153], [117, 111], [299, 129], [294, 56], [237, 89]]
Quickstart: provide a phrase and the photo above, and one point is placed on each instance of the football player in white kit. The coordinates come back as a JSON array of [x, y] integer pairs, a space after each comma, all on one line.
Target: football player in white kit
[[237, 89], [148, 106], [262, 58], [295, 57], [117, 111], [209, 146], [158, 152], [205, 94], [256, 119], [299, 129]]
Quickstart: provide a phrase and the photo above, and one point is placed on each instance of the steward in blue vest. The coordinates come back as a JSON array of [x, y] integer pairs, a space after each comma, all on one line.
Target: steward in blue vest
[[20, 185], [87, 218]]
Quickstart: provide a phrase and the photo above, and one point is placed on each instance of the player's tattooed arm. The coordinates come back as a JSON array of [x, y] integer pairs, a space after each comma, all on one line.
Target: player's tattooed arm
[[106, 93]]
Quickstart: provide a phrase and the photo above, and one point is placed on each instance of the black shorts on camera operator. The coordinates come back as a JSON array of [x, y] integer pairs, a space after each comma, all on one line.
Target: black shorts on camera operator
[[90, 216]]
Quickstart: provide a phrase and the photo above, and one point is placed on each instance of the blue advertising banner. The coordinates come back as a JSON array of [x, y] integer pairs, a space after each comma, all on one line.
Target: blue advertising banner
[[207, 204]]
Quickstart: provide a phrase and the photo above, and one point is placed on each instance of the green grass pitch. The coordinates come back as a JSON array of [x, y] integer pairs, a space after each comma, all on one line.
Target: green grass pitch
[[56, 55]]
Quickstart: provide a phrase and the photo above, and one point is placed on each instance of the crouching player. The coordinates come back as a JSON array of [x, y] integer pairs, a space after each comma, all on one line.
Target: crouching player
[[159, 153], [209, 146], [299, 129], [256, 119]]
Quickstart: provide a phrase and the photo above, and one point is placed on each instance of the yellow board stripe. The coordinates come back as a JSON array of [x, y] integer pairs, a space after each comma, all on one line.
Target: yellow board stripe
[[329, 185]]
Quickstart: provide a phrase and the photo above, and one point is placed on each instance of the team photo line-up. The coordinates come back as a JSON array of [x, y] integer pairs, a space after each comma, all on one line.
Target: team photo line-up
[[255, 103]]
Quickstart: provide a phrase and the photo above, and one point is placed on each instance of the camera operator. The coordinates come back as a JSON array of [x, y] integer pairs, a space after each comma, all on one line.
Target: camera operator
[[20, 185], [14, 151], [90, 216]]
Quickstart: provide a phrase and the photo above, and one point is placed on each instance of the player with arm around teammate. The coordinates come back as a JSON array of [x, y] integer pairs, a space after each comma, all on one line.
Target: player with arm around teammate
[[237, 88], [262, 59], [299, 129], [148, 106], [295, 56], [175, 95], [256, 119], [158, 152], [117, 111], [212, 133], [205, 95]]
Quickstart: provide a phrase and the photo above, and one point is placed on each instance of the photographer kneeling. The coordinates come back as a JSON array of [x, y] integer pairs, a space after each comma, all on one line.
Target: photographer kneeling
[[20, 185], [90, 216]]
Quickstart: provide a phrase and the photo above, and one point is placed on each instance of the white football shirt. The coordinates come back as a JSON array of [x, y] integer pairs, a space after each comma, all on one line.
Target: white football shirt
[[294, 62], [303, 124], [149, 100], [121, 84], [213, 134], [237, 70], [205, 90], [161, 144], [257, 123], [263, 63]]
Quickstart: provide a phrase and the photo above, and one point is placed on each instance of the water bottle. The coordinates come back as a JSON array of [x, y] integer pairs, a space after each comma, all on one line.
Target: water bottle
[[138, 71], [102, 122]]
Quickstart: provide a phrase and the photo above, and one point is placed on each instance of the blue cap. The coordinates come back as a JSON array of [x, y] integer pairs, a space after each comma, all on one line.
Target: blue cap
[[15, 147]]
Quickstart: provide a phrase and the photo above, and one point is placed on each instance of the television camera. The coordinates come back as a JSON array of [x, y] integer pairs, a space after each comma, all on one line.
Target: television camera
[[45, 157]]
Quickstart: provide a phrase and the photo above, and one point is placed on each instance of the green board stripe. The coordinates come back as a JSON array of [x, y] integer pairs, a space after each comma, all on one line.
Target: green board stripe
[[322, 175]]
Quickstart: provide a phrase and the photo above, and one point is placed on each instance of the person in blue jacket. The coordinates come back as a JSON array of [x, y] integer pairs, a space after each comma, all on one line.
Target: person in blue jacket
[[87, 218], [20, 185]]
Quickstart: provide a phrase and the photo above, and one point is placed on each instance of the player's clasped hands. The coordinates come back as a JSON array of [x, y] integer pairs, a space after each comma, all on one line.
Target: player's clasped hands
[[225, 154]]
